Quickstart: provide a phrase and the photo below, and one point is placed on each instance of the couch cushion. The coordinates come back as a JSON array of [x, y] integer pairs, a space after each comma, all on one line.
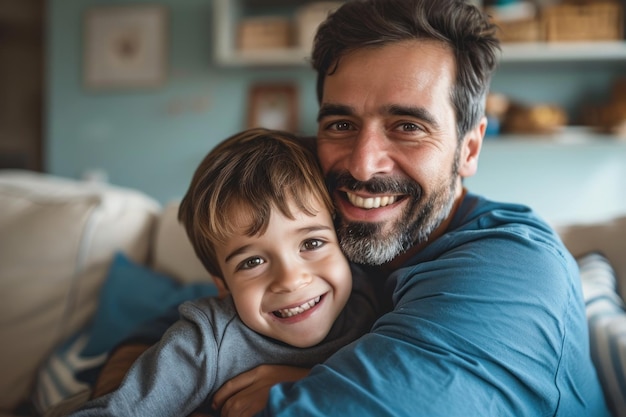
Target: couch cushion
[[607, 237], [58, 238], [172, 253], [131, 295]]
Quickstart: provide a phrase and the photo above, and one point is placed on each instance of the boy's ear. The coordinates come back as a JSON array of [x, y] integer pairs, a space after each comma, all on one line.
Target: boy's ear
[[222, 288]]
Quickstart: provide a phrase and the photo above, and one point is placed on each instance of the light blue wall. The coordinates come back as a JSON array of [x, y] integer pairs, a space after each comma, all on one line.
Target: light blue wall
[[139, 143], [133, 135]]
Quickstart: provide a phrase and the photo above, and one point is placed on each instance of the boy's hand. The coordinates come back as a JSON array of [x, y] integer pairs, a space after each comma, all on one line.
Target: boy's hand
[[247, 393]]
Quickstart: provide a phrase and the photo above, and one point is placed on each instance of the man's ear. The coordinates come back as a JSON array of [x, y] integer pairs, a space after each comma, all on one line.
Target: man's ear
[[222, 288], [470, 149]]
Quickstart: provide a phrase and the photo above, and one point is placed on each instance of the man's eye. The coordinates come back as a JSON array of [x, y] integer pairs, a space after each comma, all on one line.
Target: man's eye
[[312, 244], [343, 125], [409, 127], [251, 263]]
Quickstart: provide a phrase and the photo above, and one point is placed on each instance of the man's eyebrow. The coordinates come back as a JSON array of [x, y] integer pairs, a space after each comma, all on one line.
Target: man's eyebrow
[[334, 110], [411, 111], [393, 109]]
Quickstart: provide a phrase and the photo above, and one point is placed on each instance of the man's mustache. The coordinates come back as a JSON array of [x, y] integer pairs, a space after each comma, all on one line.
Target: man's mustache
[[376, 185]]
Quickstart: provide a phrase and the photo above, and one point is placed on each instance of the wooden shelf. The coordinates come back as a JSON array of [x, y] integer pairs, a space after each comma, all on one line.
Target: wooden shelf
[[511, 53], [570, 135], [564, 51], [226, 14]]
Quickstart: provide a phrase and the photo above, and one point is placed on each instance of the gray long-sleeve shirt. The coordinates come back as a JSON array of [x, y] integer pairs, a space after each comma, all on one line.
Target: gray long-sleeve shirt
[[209, 345]]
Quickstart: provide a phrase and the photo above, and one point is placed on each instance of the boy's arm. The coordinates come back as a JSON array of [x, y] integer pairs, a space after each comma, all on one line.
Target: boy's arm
[[121, 359], [116, 368], [125, 354]]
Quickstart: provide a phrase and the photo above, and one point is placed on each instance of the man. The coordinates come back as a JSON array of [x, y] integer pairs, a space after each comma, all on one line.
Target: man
[[488, 317]]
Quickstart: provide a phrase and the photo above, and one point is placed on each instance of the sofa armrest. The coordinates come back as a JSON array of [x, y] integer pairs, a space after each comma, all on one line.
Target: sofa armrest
[[608, 237]]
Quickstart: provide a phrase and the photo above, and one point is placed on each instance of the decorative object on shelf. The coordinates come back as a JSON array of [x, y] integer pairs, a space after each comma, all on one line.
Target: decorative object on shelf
[[125, 46], [273, 106], [308, 17], [533, 118], [609, 117], [266, 32], [496, 106], [587, 21]]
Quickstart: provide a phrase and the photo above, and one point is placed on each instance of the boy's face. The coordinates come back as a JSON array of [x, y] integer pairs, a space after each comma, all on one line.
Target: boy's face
[[291, 282]]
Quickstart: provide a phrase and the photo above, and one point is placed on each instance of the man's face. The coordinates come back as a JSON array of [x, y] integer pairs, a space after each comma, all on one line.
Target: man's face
[[388, 145]]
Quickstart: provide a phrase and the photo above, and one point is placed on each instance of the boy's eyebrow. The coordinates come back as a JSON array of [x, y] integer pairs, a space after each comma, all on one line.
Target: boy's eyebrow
[[236, 252], [421, 113]]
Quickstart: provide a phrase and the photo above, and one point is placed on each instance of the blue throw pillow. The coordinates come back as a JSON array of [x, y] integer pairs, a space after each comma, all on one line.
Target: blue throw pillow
[[131, 295]]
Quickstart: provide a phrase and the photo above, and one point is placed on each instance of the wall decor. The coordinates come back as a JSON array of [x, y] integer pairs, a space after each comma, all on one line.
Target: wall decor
[[273, 106], [125, 46]]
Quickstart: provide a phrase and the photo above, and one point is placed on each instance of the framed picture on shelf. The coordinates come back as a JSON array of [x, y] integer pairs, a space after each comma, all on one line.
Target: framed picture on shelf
[[273, 106], [125, 46]]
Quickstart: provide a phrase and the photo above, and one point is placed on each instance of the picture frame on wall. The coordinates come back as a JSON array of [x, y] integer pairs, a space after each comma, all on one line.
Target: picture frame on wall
[[273, 106], [125, 46]]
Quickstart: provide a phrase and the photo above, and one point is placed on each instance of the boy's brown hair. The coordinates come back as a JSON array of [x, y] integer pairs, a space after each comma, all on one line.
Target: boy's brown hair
[[253, 171]]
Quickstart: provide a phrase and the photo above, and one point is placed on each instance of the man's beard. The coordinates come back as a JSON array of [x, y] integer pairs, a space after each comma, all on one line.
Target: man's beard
[[368, 243]]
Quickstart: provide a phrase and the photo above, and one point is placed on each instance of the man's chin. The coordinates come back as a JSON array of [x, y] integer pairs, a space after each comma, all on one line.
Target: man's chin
[[362, 243]]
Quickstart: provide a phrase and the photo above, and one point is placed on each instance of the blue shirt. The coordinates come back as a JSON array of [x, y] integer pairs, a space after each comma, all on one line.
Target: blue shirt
[[488, 320]]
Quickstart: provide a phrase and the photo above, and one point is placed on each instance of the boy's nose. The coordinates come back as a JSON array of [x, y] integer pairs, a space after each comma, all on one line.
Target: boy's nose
[[290, 278]]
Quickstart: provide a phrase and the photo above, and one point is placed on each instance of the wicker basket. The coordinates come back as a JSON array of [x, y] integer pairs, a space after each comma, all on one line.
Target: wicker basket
[[264, 33], [600, 21], [522, 30]]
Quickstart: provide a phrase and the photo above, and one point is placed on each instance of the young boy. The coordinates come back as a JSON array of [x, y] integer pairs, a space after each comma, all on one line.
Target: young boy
[[261, 221]]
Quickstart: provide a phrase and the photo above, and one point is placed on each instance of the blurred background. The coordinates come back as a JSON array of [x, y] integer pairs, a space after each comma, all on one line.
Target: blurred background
[[135, 93]]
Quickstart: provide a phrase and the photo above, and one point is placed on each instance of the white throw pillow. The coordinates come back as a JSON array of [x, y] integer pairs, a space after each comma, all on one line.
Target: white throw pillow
[[606, 317], [57, 239], [172, 253]]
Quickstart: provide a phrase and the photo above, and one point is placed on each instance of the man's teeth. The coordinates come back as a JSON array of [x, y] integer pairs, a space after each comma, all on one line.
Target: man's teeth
[[371, 202], [290, 312]]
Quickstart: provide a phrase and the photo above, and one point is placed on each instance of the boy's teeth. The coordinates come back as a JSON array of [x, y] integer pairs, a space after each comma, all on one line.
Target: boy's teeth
[[290, 312], [372, 202]]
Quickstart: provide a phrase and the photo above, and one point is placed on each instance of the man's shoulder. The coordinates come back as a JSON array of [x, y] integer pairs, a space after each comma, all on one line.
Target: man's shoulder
[[480, 216]]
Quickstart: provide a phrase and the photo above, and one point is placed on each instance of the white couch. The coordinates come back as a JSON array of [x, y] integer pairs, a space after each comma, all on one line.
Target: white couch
[[58, 238]]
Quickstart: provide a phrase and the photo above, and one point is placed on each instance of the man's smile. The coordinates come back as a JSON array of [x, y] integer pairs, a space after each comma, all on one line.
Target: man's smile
[[371, 202]]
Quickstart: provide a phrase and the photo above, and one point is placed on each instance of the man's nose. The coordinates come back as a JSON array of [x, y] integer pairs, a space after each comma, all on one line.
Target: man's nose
[[370, 155], [290, 277]]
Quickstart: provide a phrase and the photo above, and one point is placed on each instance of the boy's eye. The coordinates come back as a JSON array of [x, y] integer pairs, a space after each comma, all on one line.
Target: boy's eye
[[312, 244], [251, 263]]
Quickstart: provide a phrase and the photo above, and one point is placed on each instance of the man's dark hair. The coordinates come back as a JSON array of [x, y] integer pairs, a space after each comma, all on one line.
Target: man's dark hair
[[464, 28]]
